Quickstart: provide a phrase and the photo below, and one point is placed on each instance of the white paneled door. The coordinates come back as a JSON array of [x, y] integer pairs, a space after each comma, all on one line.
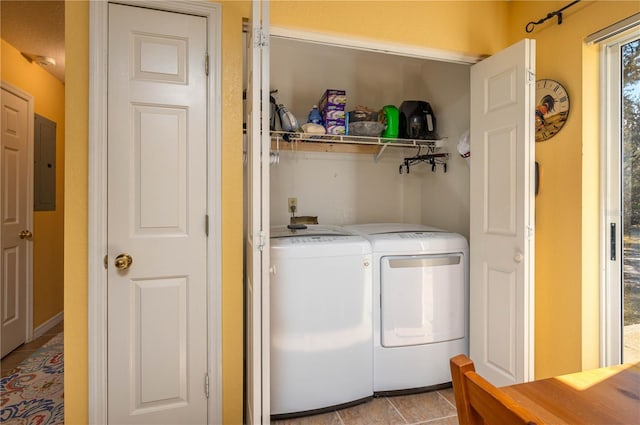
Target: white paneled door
[[17, 137], [157, 206], [502, 205]]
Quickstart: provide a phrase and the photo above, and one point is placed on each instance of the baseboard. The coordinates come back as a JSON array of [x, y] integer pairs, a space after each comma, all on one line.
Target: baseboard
[[43, 328]]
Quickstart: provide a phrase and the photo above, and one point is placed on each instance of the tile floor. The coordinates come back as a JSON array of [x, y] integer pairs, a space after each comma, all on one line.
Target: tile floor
[[432, 408], [13, 359]]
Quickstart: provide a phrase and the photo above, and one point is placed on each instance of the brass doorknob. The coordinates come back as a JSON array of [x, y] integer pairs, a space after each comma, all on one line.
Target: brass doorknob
[[25, 234], [123, 261]]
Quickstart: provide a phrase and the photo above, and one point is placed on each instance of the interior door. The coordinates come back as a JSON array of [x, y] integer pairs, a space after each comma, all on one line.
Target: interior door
[[15, 215], [502, 215], [157, 206], [257, 274]]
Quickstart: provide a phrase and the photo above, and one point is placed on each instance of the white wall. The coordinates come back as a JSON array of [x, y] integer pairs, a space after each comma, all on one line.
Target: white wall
[[350, 188], [445, 197], [344, 188]]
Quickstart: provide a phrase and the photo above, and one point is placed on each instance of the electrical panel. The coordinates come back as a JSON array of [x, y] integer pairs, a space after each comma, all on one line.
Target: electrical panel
[[44, 168]]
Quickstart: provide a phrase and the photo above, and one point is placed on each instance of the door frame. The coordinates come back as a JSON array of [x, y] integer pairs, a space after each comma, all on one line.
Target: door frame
[[378, 46], [611, 324], [97, 208], [28, 335], [391, 49]]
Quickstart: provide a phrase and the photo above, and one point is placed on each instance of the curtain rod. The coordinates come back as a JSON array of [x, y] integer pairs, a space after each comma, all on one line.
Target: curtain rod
[[531, 25]]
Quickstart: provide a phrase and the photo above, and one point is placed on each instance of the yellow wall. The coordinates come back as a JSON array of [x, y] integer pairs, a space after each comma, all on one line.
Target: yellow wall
[[567, 205], [48, 226], [232, 318], [470, 27], [474, 28], [75, 218]]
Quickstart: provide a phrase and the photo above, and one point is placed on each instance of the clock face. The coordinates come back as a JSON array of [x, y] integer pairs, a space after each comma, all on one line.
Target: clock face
[[552, 108]]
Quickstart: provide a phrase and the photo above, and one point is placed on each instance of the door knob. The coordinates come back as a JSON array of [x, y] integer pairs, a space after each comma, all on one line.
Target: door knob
[[25, 234], [518, 257], [123, 261]]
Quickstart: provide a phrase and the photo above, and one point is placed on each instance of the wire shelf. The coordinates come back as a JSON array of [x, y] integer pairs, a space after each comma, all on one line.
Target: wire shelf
[[285, 136]]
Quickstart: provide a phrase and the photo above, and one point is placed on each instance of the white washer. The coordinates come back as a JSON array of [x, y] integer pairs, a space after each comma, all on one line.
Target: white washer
[[420, 320], [321, 319]]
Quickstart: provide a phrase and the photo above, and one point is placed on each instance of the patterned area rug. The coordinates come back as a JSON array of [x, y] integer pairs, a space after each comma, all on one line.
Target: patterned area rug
[[33, 395]]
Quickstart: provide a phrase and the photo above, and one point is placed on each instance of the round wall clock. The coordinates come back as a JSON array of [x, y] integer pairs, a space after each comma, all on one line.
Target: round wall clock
[[552, 108]]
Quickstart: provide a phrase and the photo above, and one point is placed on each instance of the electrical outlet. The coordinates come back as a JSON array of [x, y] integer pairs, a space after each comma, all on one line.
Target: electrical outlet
[[292, 205]]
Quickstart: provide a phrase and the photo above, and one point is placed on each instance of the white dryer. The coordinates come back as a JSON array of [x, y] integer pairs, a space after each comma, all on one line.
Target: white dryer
[[321, 319], [420, 319]]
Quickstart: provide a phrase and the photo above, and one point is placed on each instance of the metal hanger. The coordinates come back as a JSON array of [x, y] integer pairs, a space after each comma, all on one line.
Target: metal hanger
[[431, 158]]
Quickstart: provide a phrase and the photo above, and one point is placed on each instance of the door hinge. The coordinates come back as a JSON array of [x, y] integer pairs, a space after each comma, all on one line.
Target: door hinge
[[531, 76], [206, 224], [260, 241], [206, 64], [259, 38], [206, 385], [529, 233], [105, 260]]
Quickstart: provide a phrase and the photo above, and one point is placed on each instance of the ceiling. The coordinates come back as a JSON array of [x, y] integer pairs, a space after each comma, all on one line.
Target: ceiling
[[35, 28]]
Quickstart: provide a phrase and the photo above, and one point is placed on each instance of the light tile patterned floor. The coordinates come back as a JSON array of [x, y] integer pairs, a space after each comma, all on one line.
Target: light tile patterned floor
[[432, 408], [13, 359]]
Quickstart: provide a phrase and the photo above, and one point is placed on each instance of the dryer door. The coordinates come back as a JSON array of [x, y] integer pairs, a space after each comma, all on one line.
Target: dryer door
[[422, 299]]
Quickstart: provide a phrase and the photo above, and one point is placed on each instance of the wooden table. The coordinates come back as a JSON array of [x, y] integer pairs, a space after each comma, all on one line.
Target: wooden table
[[604, 396]]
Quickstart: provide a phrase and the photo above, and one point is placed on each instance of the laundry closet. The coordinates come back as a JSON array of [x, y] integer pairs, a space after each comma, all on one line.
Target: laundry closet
[[347, 183], [344, 188], [331, 317]]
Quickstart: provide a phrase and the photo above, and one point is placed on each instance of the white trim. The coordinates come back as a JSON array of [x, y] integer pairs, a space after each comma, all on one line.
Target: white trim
[[214, 243], [265, 219], [28, 333], [48, 325], [610, 213], [374, 45], [97, 299], [610, 350], [613, 30], [97, 198]]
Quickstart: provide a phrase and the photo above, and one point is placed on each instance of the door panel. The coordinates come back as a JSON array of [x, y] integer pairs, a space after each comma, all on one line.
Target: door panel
[[500, 176], [501, 224], [160, 162], [501, 318], [157, 168], [14, 192], [162, 304]]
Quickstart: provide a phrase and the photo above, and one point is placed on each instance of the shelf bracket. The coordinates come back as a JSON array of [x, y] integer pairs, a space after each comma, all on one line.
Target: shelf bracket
[[380, 152]]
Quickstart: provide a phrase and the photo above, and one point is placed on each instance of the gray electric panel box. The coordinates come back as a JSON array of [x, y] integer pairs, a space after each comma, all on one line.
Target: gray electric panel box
[[44, 169]]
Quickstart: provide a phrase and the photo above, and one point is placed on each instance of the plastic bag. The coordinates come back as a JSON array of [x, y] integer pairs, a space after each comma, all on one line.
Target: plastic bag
[[464, 146]]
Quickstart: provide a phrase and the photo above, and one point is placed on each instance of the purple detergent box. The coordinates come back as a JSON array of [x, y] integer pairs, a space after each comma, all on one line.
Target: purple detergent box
[[336, 129], [335, 126], [338, 121], [333, 100], [332, 107], [334, 114]]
